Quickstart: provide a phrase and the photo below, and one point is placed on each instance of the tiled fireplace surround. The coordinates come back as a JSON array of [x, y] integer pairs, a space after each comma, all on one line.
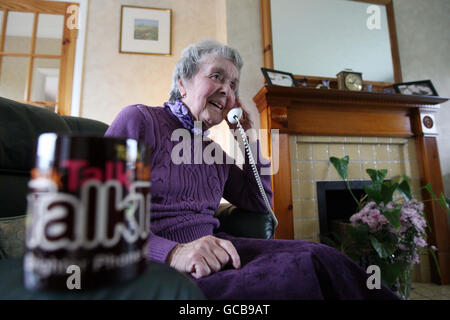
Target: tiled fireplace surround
[[309, 156]]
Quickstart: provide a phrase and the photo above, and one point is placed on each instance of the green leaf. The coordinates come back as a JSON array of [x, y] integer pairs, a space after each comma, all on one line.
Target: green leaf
[[393, 216], [384, 250], [433, 254], [377, 176], [443, 202], [359, 234], [373, 191], [391, 271], [430, 190], [387, 191], [341, 166], [405, 189]]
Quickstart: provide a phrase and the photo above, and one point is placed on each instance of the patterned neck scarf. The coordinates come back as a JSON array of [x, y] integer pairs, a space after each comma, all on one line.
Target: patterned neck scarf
[[180, 110]]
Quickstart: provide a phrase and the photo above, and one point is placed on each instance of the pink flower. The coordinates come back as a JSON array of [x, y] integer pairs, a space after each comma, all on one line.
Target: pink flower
[[390, 205], [411, 216], [371, 216], [408, 238], [420, 242], [415, 259]]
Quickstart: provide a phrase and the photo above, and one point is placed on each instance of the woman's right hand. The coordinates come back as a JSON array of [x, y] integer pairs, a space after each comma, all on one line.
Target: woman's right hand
[[245, 120], [203, 256]]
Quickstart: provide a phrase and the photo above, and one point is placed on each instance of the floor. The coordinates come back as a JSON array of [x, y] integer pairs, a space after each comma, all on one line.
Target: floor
[[429, 291]]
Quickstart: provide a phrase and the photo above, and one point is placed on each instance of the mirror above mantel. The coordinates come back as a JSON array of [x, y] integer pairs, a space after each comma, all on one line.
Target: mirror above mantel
[[317, 39]]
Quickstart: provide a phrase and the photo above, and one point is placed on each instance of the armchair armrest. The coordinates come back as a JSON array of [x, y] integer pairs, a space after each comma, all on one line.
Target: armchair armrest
[[84, 125], [242, 223]]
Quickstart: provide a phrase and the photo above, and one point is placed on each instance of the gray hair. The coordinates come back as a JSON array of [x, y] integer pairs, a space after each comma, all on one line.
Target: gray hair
[[191, 58]]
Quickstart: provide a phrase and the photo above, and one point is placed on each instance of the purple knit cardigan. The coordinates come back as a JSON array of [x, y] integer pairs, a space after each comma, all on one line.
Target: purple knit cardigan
[[185, 196]]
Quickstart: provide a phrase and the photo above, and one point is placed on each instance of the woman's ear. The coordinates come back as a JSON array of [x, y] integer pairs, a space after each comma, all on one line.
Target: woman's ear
[[181, 87]]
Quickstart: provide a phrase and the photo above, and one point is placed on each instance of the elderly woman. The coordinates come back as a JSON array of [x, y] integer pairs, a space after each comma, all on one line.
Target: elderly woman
[[185, 197]]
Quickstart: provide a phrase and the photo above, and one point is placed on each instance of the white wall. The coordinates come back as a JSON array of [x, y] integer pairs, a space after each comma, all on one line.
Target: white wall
[[243, 32], [112, 80], [424, 45]]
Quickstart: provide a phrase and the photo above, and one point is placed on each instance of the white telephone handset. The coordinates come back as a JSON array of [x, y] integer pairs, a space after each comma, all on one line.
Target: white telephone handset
[[234, 115]]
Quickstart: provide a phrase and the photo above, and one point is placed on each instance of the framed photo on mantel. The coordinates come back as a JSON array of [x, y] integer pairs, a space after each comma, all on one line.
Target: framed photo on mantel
[[279, 78], [422, 88]]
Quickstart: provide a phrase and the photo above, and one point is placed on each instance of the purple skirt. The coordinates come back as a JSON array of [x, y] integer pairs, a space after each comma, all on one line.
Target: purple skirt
[[289, 269]]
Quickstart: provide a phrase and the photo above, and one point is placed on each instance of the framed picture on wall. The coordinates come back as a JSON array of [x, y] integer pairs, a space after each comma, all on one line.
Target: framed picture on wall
[[279, 78], [422, 88], [145, 30]]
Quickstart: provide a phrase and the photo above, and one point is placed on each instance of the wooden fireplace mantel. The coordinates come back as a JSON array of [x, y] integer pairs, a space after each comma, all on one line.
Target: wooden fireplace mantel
[[309, 111]]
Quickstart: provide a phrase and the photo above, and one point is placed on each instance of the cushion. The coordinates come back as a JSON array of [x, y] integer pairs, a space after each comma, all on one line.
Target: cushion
[[12, 237], [13, 190]]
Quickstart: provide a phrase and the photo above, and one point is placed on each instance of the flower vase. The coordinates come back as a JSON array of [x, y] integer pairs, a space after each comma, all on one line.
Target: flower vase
[[404, 283]]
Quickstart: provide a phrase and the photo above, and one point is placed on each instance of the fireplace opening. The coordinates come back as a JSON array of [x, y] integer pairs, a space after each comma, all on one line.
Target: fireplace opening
[[336, 205]]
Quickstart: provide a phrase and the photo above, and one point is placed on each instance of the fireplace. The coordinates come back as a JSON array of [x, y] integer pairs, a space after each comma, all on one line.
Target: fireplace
[[336, 205], [338, 113]]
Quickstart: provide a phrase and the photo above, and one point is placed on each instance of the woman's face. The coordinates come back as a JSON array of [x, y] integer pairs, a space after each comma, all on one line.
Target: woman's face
[[211, 93]]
